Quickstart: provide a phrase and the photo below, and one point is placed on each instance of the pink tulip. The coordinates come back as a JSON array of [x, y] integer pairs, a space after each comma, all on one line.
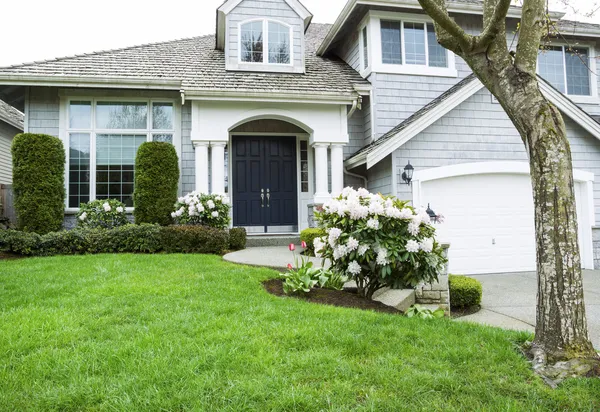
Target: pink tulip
[[290, 267], [292, 247], [304, 244]]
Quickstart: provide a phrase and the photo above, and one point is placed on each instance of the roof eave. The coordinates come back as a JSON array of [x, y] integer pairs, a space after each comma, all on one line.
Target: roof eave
[[76, 81], [10, 121], [270, 96]]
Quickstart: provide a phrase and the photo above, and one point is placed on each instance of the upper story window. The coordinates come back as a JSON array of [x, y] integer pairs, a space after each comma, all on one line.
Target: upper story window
[[364, 42], [411, 43], [567, 68], [254, 35]]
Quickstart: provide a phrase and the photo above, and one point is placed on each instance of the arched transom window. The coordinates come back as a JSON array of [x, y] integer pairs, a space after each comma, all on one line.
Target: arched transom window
[[254, 35]]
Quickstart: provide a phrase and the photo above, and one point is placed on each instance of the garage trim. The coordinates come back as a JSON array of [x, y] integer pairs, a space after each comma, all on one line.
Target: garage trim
[[481, 168]]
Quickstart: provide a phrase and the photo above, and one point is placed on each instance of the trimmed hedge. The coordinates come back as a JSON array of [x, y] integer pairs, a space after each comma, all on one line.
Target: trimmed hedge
[[39, 182], [156, 183], [309, 236], [237, 238], [465, 292], [131, 238]]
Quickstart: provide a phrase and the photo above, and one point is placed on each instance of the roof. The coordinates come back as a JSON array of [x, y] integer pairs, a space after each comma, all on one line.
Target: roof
[[12, 116], [192, 65], [447, 101], [571, 27]]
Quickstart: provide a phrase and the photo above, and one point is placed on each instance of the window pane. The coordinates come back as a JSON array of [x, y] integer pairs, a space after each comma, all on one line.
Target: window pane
[[79, 169], [80, 115], [121, 115], [365, 48], [414, 43], [437, 54], [252, 42], [162, 116], [304, 165], [168, 138], [551, 66], [115, 166], [279, 43], [578, 72], [391, 42]]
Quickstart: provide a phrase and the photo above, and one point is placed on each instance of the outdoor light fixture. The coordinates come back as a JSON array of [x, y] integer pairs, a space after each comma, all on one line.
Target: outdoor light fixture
[[408, 173], [430, 212]]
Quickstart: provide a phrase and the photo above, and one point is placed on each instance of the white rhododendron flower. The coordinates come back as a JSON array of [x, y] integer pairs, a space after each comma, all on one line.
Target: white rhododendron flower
[[406, 213], [340, 252], [354, 268], [358, 212], [318, 244], [382, 256], [210, 204], [83, 216], [334, 234], [412, 246], [426, 245], [362, 192], [414, 228], [173, 215], [225, 200], [376, 208], [120, 209], [373, 224], [106, 207], [362, 249], [352, 244], [215, 214]]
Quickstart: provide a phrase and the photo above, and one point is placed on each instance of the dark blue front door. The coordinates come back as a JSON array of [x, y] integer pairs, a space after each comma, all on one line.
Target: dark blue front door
[[265, 196]]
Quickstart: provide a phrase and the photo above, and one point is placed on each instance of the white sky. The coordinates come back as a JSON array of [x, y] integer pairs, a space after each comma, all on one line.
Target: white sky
[[41, 29]]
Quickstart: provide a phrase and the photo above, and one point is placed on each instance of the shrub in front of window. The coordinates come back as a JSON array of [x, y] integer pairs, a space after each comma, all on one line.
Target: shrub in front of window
[[156, 183], [194, 239], [201, 209], [39, 182], [379, 241], [102, 214]]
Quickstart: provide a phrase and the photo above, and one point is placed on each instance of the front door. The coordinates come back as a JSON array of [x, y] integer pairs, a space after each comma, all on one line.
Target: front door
[[265, 195]]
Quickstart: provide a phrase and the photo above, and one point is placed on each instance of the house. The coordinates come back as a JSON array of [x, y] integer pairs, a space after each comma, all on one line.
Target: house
[[280, 113], [11, 124]]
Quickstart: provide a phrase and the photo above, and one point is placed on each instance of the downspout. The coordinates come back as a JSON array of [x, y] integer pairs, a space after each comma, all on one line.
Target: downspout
[[364, 179], [182, 97]]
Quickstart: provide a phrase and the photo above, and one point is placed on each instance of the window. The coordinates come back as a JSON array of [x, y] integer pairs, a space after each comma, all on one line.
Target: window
[[103, 139], [411, 43], [277, 36], [304, 166], [567, 69], [365, 47]]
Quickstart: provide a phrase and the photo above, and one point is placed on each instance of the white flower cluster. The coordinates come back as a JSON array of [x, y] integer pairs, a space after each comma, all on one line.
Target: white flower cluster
[[192, 204]]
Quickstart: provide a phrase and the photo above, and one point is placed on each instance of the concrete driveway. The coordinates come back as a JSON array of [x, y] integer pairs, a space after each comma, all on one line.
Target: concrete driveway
[[509, 301]]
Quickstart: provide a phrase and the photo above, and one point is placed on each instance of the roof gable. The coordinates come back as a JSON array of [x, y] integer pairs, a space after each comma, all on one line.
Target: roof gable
[[12, 116]]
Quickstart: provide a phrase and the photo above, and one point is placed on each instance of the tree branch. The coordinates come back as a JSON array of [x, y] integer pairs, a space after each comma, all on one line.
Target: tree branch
[[436, 9], [533, 20], [493, 25]]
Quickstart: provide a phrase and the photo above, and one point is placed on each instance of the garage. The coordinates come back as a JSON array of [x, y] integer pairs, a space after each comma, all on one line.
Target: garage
[[489, 216]]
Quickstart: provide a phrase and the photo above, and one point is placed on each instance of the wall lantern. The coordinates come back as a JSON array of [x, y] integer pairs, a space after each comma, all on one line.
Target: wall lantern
[[408, 173]]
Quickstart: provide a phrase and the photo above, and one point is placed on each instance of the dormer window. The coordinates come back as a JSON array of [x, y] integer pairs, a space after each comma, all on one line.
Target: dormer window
[[255, 34], [567, 68]]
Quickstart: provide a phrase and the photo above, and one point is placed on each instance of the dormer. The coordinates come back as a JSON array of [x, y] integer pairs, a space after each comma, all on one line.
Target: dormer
[[263, 36]]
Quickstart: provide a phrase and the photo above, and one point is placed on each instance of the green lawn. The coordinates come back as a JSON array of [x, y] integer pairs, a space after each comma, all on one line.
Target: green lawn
[[192, 332]]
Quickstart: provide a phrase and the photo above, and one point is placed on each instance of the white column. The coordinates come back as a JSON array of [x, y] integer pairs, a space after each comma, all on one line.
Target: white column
[[201, 156], [218, 167], [337, 169], [321, 175]]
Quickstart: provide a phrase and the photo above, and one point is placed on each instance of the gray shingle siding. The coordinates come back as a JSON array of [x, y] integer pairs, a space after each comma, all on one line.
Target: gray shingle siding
[[44, 107], [479, 131], [273, 9], [356, 132], [188, 163], [380, 177], [7, 132]]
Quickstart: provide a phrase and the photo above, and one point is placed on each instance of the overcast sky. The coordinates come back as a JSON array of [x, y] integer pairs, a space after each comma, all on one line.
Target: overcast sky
[[43, 29]]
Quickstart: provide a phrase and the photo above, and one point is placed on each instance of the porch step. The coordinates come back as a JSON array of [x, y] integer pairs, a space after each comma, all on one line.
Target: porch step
[[271, 240]]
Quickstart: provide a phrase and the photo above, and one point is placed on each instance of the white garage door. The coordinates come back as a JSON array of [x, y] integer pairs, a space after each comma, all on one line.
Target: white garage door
[[489, 221]]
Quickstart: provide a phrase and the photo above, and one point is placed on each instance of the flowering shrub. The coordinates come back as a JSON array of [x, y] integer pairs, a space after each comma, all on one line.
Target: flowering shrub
[[105, 214], [379, 241], [202, 209]]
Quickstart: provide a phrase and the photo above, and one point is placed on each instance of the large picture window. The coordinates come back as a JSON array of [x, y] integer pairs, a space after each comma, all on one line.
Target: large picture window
[[103, 138], [254, 35], [567, 69]]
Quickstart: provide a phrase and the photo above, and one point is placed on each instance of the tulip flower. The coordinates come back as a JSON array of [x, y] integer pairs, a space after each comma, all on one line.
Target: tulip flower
[[290, 267], [292, 247], [304, 244]]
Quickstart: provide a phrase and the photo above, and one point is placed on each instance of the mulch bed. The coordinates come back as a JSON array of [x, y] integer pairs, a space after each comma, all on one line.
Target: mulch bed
[[339, 298], [460, 312], [9, 256]]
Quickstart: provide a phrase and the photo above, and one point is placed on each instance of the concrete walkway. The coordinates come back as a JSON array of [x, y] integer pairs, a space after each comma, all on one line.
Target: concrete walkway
[[509, 301], [274, 257]]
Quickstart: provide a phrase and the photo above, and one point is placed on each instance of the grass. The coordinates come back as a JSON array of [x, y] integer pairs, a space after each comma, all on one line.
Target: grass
[[193, 332]]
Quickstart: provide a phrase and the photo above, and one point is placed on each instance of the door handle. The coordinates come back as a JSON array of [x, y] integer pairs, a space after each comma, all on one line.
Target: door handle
[[262, 197], [268, 198]]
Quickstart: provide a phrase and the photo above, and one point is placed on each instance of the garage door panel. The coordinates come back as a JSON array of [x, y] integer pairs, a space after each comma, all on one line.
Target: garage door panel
[[489, 221]]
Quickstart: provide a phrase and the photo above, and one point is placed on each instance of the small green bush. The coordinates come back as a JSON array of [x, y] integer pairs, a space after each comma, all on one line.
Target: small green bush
[[156, 183], [102, 214], [130, 238], [73, 242], [195, 239], [21, 243], [237, 238], [309, 236], [39, 182], [464, 291]]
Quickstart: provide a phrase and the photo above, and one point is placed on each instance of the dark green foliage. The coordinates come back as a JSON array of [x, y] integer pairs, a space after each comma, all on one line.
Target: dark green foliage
[[126, 239], [464, 291], [195, 239], [21, 243], [237, 238], [156, 183], [102, 214], [39, 182], [309, 236], [72, 242]]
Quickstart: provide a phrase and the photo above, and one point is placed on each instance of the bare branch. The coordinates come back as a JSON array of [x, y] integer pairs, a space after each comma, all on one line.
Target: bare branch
[[436, 9], [494, 25], [533, 20]]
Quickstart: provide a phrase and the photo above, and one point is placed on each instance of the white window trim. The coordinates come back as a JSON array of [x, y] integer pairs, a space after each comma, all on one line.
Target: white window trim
[[376, 56], [66, 130], [365, 70], [265, 62], [593, 98]]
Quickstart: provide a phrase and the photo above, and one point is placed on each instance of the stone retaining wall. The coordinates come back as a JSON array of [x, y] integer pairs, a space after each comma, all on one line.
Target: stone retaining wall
[[437, 293]]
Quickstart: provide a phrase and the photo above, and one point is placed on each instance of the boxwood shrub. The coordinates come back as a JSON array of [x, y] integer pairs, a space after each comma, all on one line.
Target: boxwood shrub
[[309, 236], [195, 239], [237, 238], [156, 183], [38, 182], [465, 292]]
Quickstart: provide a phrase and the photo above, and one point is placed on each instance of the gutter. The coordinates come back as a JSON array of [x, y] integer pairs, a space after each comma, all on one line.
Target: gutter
[[364, 179], [106, 82]]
